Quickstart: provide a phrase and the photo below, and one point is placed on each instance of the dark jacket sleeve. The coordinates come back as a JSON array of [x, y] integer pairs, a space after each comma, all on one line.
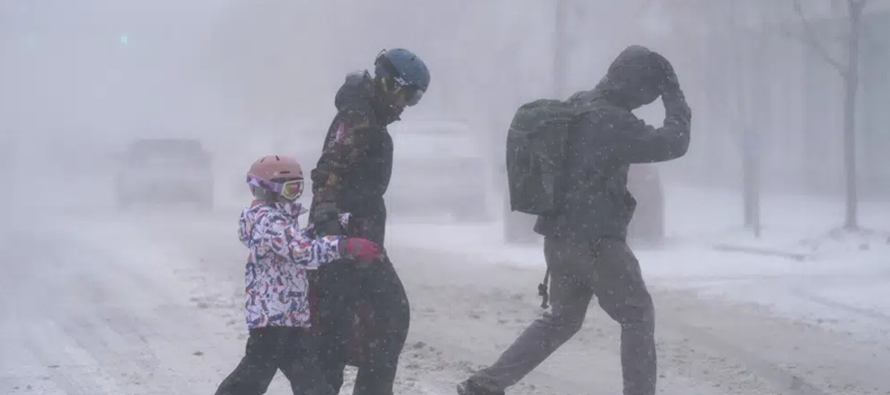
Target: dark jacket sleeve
[[631, 140], [342, 153]]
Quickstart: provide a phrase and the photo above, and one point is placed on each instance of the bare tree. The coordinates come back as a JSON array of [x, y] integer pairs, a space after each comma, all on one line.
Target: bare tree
[[745, 60], [848, 68], [742, 30]]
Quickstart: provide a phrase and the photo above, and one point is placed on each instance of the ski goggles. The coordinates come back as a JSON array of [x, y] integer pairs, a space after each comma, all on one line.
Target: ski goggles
[[413, 94], [290, 189]]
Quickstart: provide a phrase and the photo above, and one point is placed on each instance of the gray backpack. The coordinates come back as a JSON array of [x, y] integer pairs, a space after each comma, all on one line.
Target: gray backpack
[[536, 153]]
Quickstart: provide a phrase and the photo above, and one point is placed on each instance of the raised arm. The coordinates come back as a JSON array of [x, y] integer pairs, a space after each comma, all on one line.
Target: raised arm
[[631, 139]]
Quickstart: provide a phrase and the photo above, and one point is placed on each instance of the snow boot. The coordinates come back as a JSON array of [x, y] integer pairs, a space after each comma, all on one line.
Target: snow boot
[[470, 387]]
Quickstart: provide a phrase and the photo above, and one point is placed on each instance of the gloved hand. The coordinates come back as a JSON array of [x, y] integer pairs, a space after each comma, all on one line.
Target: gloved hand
[[324, 212], [676, 109], [325, 218], [670, 83], [363, 250]]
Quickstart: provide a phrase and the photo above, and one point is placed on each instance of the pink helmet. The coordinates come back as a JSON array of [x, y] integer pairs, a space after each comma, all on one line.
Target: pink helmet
[[281, 175], [274, 167]]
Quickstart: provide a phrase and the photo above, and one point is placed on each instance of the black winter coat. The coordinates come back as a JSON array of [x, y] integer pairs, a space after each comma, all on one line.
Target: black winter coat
[[355, 166]]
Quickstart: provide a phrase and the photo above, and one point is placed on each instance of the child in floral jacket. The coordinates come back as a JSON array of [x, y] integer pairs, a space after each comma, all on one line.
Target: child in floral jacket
[[276, 286]]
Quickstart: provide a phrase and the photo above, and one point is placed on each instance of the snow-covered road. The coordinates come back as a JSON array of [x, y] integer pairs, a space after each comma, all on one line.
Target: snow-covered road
[[92, 309], [149, 303]]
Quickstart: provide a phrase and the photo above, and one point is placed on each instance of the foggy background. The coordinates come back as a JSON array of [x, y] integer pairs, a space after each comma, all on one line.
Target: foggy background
[[81, 79], [95, 295]]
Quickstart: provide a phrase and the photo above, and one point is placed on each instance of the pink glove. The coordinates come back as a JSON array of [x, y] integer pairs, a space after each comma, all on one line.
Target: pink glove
[[361, 249]]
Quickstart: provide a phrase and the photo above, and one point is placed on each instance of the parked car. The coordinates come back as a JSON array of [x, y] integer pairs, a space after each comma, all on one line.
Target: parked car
[[165, 171], [646, 227], [439, 167]]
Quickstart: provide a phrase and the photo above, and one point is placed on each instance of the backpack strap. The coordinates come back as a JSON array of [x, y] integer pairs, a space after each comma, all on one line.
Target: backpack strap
[[542, 287]]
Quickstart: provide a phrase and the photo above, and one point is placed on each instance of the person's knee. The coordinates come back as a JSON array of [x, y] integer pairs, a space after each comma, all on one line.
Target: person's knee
[[566, 323], [396, 307], [569, 309], [636, 309], [403, 315]]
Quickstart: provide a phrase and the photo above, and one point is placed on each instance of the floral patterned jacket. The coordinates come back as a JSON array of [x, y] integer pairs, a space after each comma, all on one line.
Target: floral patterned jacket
[[275, 284]]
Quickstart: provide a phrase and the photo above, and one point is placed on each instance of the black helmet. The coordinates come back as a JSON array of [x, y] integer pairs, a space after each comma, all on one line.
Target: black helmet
[[406, 70]]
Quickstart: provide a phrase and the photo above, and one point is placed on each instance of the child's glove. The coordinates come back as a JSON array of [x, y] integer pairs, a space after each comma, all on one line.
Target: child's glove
[[361, 249]]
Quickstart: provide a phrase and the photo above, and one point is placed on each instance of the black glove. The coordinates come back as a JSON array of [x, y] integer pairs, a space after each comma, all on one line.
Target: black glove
[[676, 109], [326, 219], [670, 83]]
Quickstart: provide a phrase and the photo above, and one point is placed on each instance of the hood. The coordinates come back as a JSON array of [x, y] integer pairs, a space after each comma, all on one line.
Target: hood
[[584, 96], [633, 79], [359, 93]]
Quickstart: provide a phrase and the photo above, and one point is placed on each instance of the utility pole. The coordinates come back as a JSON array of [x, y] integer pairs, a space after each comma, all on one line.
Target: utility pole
[[851, 87], [743, 121], [560, 48]]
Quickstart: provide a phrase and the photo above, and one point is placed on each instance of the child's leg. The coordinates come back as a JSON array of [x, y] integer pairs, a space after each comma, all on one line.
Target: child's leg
[[258, 367], [298, 360]]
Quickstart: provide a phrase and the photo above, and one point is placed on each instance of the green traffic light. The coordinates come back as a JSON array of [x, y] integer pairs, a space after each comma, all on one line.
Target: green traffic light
[[125, 40]]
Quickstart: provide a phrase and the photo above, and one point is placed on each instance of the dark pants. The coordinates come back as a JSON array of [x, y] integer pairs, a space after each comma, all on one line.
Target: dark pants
[[273, 348], [377, 296], [611, 272]]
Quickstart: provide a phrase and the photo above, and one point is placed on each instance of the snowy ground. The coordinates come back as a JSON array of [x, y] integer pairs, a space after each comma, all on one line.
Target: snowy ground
[[801, 266], [98, 303]]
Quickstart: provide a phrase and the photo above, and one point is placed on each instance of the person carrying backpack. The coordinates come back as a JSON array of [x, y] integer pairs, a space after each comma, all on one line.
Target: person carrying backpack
[[568, 164]]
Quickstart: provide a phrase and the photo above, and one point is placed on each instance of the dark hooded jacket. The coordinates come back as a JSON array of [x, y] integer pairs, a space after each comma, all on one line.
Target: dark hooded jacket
[[609, 138], [355, 166]]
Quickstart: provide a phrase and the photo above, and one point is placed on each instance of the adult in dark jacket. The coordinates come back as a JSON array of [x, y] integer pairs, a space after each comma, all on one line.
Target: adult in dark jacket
[[352, 175], [585, 245]]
